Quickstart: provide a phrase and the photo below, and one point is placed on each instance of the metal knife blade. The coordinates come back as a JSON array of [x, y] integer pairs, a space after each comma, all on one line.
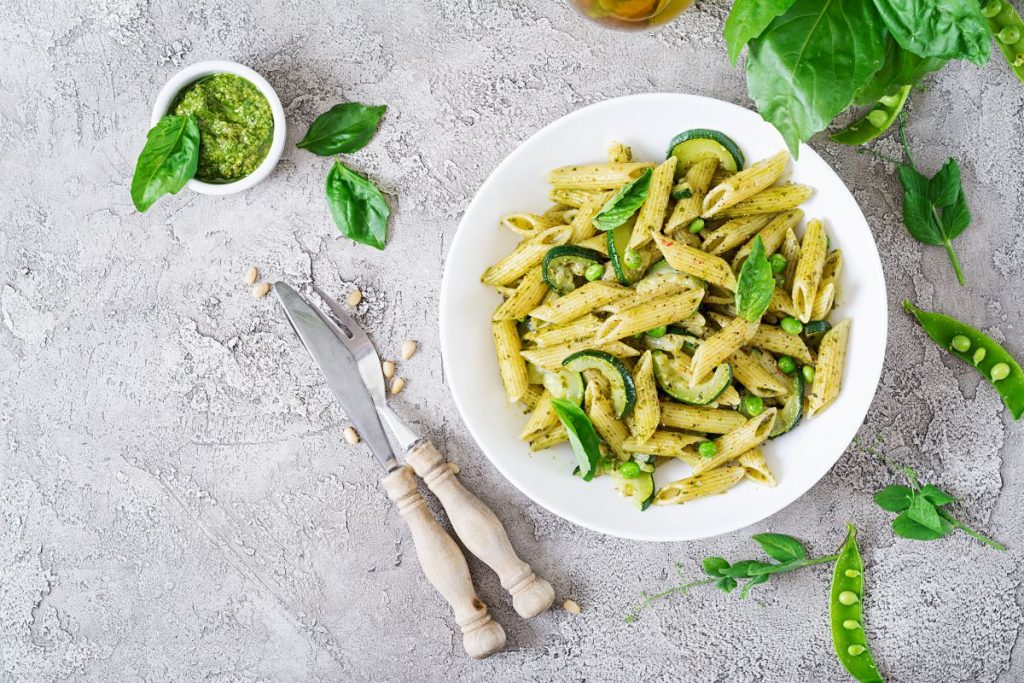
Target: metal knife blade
[[339, 369]]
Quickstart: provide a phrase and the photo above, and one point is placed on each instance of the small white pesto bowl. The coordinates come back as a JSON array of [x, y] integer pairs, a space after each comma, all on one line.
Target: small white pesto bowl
[[191, 74]]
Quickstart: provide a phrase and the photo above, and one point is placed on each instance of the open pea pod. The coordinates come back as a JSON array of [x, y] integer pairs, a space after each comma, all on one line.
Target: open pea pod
[[878, 120], [978, 349], [1007, 28], [846, 613]]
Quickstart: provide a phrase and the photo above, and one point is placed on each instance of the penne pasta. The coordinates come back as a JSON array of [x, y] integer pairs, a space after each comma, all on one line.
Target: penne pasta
[[646, 316], [527, 296], [826, 296], [651, 216], [511, 366], [532, 396], [552, 437], [664, 444], [596, 176], [751, 374], [529, 224], [698, 180], [740, 440], [578, 330], [770, 200], [619, 153], [583, 223], [709, 483], [699, 418], [643, 421], [791, 250], [572, 198], [551, 357], [828, 375], [695, 262], [808, 270], [733, 233], [755, 467], [526, 255], [607, 424], [772, 236], [579, 302], [542, 418], [744, 185], [719, 346]]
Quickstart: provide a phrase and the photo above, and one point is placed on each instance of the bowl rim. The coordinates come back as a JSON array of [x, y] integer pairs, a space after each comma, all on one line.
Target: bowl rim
[[194, 72], [871, 381]]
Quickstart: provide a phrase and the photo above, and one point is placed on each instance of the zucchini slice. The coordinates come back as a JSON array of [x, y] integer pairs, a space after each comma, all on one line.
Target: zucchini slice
[[673, 381], [564, 384], [793, 408], [618, 375], [640, 489], [691, 146], [618, 243], [563, 264], [815, 330]]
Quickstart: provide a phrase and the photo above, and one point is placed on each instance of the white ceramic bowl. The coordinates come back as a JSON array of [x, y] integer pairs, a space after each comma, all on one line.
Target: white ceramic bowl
[[647, 123], [193, 73]]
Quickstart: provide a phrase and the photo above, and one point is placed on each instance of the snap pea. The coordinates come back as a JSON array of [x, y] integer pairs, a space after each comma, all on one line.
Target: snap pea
[[1007, 28], [993, 361], [846, 613], [878, 120]]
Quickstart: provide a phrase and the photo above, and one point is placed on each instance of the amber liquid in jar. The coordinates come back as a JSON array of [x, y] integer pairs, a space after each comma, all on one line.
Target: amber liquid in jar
[[631, 15]]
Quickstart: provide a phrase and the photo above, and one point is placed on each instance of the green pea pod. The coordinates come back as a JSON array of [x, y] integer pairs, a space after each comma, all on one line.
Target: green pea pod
[[846, 613], [1007, 30], [978, 349], [875, 122]]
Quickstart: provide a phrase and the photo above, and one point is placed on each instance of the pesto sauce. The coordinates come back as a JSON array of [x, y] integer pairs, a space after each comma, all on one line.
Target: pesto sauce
[[236, 126]]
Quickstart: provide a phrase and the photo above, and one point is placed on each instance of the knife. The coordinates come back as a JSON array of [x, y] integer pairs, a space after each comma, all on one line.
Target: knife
[[443, 563]]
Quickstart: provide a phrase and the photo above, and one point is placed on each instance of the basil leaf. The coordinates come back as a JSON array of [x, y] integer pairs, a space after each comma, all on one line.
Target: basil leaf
[[582, 435], [624, 204], [900, 68], [924, 513], [167, 161], [747, 20], [944, 186], [726, 584], [894, 498], [358, 207], [714, 566], [904, 527], [808, 65], [951, 29], [755, 285], [937, 496], [781, 547], [760, 578], [342, 129]]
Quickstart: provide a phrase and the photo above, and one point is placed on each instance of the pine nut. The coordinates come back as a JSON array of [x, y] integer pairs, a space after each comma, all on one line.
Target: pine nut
[[388, 368], [454, 467], [397, 386], [351, 435], [252, 275], [261, 290], [571, 606], [408, 349], [354, 298]]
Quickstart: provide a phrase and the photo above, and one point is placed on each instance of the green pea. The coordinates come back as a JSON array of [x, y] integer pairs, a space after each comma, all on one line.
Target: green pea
[[877, 117], [594, 271], [960, 343], [848, 598], [787, 365], [851, 624], [697, 225], [852, 573], [629, 470], [1018, 61], [999, 371], [979, 355], [656, 332], [855, 650], [808, 372], [991, 8], [1009, 35], [791, 325], [632, 259], [707, 449], [752, 406], [778, 263]]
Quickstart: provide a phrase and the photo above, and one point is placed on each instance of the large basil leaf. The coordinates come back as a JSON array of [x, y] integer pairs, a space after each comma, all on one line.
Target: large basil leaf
[[755, 285], [747, 20], [168, 160], [808, 65], [342, 129], [358, 207], [624, 204], [582, 435], [951, 29], [900, 68]]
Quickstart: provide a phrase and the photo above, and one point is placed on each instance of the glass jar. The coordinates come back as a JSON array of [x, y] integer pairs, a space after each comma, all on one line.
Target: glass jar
[[631, 15]]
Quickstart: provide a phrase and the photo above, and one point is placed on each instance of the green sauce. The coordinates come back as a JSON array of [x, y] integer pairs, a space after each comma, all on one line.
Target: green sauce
[[236, 126]]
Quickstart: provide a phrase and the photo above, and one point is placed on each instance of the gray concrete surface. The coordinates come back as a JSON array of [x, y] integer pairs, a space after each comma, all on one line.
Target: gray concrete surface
[[176, 500]]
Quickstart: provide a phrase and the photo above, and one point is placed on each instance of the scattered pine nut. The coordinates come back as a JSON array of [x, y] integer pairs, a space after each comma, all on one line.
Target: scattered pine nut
[[571, 606], [408, 349], [388, 367], [261, 290], [397, 386], [252, 275], [454, 467], [351, 435], [354, 298]]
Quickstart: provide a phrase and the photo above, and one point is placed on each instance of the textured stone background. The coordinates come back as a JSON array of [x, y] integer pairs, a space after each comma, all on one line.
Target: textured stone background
[[176, 501]]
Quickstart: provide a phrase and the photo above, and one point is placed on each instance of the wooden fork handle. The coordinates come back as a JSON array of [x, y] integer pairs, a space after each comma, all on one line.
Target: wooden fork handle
[[481, 531], [445, 567]]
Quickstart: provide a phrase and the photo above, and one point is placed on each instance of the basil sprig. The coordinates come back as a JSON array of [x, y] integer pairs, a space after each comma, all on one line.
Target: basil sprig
[[755, 285], [582, 435], [168, 160], [624, 204], [358, 207], [342, 129]]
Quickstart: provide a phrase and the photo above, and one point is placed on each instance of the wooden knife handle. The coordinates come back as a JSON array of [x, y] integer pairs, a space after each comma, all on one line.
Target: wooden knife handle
[[445, 567], [481, 531]]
